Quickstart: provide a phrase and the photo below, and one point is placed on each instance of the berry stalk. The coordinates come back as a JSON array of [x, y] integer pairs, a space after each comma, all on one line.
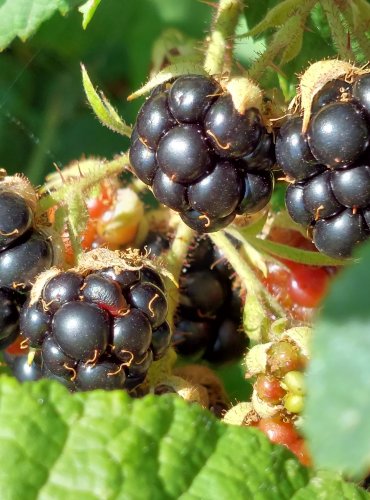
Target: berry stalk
[[112, 168], [223, 30], [339, 35], [174, 264], [246, 275]]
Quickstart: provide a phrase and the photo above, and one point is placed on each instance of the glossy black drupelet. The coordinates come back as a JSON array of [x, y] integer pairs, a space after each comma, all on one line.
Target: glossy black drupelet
[[200, 155], [100, 330], [330, 167]]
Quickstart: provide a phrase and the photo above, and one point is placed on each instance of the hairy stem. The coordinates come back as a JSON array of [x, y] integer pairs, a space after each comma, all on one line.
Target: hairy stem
[[174, 263], [221, 35], [338, 32], [112, 168], [245, 273], [282, 40]]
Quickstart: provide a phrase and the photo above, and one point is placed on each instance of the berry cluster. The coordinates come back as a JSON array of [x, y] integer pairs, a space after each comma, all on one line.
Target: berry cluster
[[207, 322], [330, 166], [98, 329], [202, 157], [25, 251]]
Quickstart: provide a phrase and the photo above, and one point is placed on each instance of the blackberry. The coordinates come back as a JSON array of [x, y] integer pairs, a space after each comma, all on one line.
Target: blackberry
[[338, 235], [318, 197], [191, 338], [208, 317], [61, 289], [106, 326], [183, 155], [196, 151], [25, 247], [16, 218], [361, 91], [333, 91], [293, 153], [34, 323], [338, 134], [101, 375], [330, 166], [24, 370], [190, 96], [170, 193], [9, 316], [295, 206], [230, 342], [232, 135], [201, 193], [9, 313], [20, 264], [154, 120], [202, 291], [258, 187]]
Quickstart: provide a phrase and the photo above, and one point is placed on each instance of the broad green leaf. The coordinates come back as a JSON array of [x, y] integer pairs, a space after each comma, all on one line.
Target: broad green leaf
[[23, 17], [328, 486], [102, 108], [337, 412], [104, 445], [88, 10], [295, 254]]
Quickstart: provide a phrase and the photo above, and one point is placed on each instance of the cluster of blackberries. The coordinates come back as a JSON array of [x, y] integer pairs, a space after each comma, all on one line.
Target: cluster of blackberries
[[330, 166], [200, 156], [100, 330], [208, 319], [24, 253]]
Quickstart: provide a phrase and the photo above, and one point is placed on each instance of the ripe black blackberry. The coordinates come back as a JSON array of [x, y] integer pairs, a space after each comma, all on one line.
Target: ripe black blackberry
[[202, 157], [25, 248], [207, 321], [10, 303], [329, 166], [25, 251], [100, 325]]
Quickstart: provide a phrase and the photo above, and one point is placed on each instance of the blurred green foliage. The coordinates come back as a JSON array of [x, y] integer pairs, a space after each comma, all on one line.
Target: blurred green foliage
[[44, 117]]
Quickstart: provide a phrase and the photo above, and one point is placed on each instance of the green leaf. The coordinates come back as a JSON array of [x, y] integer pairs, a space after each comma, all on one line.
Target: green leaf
[[328, 486], [88, 10], [104, 445], [23, 17], [295, 254], [276, 16], [171, 46], [102, 108], [337, 411], [177, 69]]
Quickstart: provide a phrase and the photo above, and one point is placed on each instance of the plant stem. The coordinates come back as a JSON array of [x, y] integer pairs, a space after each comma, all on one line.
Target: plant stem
[[338, 33], [114, 167], [174, 263], [220, 38], [281, 41], [245, 273]]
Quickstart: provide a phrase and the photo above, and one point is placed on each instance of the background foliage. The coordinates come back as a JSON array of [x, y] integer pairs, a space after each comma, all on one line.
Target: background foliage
[[44, 120]]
